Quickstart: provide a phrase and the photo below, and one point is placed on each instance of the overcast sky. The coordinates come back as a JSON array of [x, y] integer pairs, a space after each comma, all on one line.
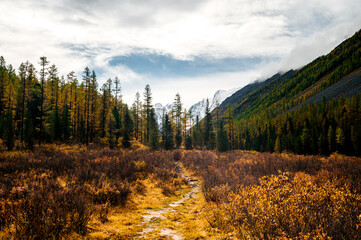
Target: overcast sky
[[193, 47]]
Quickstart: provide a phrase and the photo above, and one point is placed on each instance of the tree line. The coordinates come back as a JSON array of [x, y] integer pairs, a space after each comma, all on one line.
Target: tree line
[[39, 106]]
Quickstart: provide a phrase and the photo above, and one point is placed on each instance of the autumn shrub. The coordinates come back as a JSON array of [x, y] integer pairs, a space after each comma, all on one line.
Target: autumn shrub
[[52, 191], [6, 208], [139, 187], [109, 191], [46, 210], [167, 190], [103, 212], [292, 206], [177, 155], [246, 195]]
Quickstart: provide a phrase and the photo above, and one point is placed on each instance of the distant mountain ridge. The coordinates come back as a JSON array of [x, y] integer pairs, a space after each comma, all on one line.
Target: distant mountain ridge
[[197, 109]]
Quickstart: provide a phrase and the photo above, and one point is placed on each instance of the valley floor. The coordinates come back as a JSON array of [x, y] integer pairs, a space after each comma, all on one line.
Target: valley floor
[[156, 216], [88, 192]]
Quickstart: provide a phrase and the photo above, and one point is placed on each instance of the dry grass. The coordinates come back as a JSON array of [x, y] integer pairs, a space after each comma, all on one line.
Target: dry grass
[[95, 193], [62, 190], [253, 195]]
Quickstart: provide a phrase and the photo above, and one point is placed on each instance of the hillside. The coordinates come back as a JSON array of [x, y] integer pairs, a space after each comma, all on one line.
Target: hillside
[[312, 110], [347, 87], [283, 91], [246, 96]]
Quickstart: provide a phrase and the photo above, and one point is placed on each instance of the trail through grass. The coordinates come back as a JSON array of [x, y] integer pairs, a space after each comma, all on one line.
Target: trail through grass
[[162, 221]]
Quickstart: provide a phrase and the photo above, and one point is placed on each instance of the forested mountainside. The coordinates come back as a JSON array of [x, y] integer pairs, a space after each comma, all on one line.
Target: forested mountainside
[[315, 109]]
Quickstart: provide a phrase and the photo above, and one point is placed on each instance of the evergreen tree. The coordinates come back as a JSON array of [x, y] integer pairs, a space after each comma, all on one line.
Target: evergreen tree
[[331, 139], [148, 111], [177, 112], [188, 142], [137, 108], [128, 126], [167, 133], [29, 129], [354, 139], [153, 131], [208, 135], [43, 72], [222, 140], [9, 131], [278, 146], [66, 122], [197, 134], [231, 130]]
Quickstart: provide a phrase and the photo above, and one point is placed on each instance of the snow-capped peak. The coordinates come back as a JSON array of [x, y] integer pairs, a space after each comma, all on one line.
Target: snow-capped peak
[[197, 109]]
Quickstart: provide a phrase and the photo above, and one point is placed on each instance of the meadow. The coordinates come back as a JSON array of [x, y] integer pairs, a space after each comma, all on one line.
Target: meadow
[[89, 192]]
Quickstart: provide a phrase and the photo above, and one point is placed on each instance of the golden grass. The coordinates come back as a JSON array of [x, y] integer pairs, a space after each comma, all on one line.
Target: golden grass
[[127, 221]]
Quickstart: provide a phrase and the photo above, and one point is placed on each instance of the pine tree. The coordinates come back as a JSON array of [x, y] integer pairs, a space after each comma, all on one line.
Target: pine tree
[[177, 111], [208, 135], [278, 146], [3, 82], [331, 139], [153, 131], [222, 140], [29, 129], [354, 139], [197, 134], [43, 72], [128, 126], [231, 129], [137, 108], [167, 133], [9, 131], [86, 80], [188, 142], [147, 110]]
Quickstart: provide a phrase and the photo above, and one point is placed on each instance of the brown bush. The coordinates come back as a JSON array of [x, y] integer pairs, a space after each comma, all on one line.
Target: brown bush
[[292, 206], [49, 193], [48, 211], [319, 198]]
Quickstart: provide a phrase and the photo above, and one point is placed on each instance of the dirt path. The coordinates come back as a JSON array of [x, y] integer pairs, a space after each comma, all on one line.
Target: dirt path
[[152, 219]]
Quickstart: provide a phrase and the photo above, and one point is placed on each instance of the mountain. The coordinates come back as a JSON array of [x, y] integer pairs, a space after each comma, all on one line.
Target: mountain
[[197, 109], [255, 90], [311, 110], [159, 110]]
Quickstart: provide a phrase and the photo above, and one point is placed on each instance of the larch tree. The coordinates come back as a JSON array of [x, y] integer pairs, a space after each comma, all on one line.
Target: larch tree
[[177, 111], [137, 108], [43, 72], [147, 111], [231, 128]]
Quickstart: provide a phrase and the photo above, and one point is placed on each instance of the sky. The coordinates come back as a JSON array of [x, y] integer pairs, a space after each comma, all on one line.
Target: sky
[[190, 47]]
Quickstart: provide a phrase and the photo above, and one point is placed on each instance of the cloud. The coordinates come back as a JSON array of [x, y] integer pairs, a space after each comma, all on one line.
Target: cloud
[[279, 34]]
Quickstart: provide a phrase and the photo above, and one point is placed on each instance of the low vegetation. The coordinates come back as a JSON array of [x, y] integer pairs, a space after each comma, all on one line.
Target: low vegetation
[[88, 192], [253, 195], [56, 191]]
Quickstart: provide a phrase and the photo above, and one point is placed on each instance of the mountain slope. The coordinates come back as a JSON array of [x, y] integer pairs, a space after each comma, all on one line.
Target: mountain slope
[[283, 92], [314, 110]]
